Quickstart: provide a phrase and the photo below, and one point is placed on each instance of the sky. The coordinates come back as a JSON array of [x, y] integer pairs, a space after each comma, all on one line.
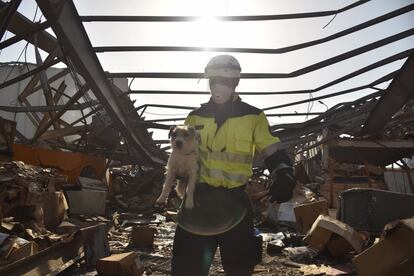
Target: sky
[[208, 32]]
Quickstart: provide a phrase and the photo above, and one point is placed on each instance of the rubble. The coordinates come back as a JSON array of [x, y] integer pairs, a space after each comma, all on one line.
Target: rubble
[[136, 189], [128, 234], [395, 251], [326, 270], [28, 193], [300, 253], [33, 214]]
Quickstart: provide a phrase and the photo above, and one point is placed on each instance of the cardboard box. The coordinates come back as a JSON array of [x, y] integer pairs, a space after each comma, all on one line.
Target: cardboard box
[[143, 236], [326, 231], [120, 265], [307, 213], [24, 251], [393, 255]]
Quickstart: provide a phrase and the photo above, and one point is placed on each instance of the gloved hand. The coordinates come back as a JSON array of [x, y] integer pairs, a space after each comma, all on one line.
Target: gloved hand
[[283, 184]]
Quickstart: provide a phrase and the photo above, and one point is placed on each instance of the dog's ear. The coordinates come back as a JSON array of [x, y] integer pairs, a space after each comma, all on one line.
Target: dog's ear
[[172, 128]]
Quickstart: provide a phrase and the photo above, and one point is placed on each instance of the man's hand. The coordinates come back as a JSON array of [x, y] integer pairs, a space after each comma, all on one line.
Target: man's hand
[[283, 184]]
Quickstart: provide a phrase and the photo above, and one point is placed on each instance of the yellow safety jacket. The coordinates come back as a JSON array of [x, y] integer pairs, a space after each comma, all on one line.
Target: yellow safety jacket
[[226, 153]]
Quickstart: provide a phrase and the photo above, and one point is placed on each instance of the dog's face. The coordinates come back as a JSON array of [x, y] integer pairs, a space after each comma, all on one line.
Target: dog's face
[[183, 138]]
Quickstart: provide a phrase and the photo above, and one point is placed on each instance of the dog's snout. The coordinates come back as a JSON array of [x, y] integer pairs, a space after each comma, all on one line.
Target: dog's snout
[[179, 144]]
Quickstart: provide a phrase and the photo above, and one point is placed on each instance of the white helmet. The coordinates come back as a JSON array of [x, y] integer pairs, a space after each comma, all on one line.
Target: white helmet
[[224, 66]]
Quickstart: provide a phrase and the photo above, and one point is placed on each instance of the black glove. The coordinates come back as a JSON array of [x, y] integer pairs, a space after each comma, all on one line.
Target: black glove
[[283, 184], [282, 175]]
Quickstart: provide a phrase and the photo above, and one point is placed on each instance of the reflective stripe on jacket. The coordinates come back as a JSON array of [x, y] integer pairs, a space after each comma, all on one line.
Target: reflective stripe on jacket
[[226, 154]]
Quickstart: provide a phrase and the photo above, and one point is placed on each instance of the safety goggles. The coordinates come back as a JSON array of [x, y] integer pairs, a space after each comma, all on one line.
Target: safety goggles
[[230, 82]]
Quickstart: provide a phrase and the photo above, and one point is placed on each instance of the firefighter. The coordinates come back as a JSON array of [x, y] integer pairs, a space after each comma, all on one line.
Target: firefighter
[[230, 133]]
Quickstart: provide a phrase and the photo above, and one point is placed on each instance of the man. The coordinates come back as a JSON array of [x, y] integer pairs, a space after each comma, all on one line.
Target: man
[[231, 131]]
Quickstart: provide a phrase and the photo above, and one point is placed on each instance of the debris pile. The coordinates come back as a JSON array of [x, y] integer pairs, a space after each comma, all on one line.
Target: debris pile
[[31, 206], [122, 232], [28, 192], [136, 189]]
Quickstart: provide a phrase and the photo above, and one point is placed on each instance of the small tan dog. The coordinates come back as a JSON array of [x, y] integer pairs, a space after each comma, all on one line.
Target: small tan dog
[[182, 164]]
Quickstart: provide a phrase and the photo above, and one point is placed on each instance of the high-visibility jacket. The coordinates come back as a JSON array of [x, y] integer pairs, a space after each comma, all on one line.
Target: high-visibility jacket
[[226, 153]]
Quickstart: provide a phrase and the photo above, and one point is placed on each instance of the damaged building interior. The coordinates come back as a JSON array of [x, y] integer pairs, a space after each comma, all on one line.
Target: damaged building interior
[[84, 131]]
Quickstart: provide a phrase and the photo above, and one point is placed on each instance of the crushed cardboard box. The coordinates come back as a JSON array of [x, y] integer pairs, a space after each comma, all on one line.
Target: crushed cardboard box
[[333, 234], [24, 251], [392, 255]]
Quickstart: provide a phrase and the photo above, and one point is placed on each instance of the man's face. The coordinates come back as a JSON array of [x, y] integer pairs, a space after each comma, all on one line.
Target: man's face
[[221, 91]]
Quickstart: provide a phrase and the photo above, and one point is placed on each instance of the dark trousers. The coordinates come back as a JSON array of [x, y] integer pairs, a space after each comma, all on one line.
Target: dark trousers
[[193, 254]]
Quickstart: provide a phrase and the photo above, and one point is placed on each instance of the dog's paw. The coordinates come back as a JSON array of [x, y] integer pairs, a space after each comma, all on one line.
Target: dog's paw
[[189, 204]]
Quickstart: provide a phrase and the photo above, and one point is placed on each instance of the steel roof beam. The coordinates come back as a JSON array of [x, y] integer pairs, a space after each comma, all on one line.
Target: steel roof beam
[[267, 115], [281, 50], [21, 25], [45, 126], [24, 35], [7, 14], [28, 89], [31, 72], [72, 36], [269, 75], [19, 109], [378, 81], [355, 89], [296, 73], [399, 92], [221, 18]]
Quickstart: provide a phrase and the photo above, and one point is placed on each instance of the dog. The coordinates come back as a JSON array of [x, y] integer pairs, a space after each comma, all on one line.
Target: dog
[[182, 165]]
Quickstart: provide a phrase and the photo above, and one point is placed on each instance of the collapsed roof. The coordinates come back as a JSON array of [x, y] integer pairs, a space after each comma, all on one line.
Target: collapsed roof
[[121, 133]]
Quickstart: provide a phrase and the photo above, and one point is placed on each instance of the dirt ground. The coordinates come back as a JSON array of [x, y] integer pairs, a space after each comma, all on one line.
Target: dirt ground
[[157, 259], [271, 265]]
